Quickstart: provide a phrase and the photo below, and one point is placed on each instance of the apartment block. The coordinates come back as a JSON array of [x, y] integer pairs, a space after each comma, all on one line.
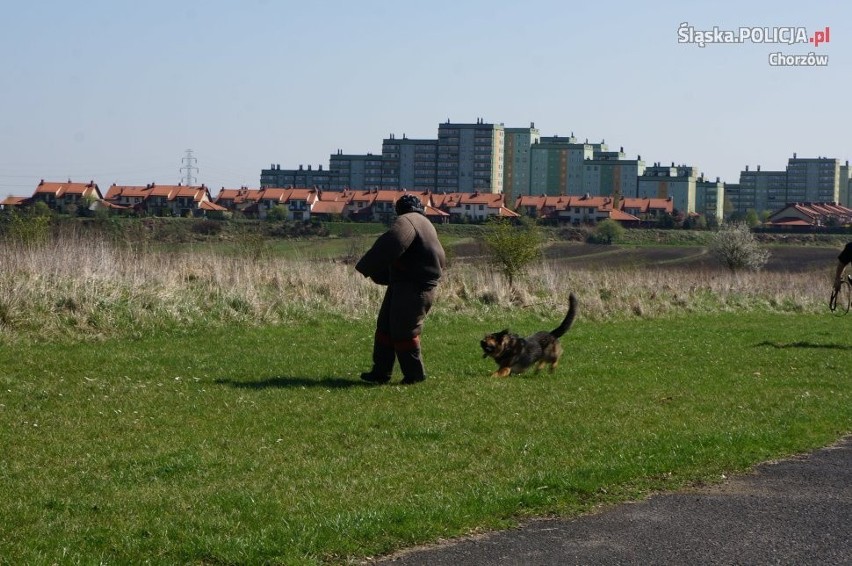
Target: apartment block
[[355, 171], [675, 182], [845, 183], [761, 190], [409, 163], [558, 165], [813, 179], [470, 157], [608, 173], [710, 198], [301, 177], [517, 166]]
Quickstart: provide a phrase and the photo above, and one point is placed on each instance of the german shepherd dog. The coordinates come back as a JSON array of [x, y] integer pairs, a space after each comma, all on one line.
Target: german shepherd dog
[[514, 354]]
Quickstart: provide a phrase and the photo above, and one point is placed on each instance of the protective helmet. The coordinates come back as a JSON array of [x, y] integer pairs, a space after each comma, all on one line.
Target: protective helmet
[[408, 203]]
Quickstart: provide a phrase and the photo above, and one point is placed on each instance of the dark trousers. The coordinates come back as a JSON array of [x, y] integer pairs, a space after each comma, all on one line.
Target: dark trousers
[[398, 328]]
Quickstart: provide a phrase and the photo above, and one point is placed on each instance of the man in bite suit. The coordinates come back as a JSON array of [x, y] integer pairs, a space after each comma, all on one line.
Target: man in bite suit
[[409, 259]]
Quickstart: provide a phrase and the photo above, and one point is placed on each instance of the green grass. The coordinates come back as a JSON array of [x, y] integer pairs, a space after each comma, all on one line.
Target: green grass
[[260, 445]]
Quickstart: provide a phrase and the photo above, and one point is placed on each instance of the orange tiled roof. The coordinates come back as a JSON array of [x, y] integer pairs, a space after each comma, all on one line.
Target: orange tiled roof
[[791, 222], [243, 195], [622, 216], [108, 204], [228, 194], [60, 189], [388, 195], [328, 207], [116, 191], [598, 202], [308, 195], [558, 202], [274, 194], [13, 201], [432, 211], [197, 193], [493, 200], [666, 204], [363, 196], [813, 213], [506, 213], [638, 204], [211, 206], [337, 196], [161, 190], [441, 199]]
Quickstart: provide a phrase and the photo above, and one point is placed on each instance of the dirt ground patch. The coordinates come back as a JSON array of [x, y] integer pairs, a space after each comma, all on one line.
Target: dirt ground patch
[[783, 258]]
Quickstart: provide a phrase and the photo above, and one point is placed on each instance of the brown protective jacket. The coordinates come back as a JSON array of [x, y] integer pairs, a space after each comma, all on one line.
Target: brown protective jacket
[[408, 252]]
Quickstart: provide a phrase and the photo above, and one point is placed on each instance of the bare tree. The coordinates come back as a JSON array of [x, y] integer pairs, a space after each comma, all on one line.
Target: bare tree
[[736, 248]]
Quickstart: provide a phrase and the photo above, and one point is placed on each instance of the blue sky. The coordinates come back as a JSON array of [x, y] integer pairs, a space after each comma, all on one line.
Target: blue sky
[[116, 91]]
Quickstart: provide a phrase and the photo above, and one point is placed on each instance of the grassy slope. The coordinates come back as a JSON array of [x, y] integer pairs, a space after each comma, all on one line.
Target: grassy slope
[[260, 445]]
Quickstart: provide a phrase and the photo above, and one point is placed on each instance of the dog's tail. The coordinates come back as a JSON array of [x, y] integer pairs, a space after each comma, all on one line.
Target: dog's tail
[[569, 318]]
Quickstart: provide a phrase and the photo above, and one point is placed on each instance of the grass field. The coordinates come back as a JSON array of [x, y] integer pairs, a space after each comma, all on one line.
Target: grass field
[[259, 445], [201, 404]]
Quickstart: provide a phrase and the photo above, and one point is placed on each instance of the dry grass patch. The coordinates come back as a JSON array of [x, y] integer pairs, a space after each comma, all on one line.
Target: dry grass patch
[[93, 288]]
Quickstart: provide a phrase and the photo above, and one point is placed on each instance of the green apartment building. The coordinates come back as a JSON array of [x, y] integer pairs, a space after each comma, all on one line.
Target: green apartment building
[[517, 160]]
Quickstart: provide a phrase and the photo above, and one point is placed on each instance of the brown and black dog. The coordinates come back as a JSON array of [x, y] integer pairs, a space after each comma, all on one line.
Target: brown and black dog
[[514, 354]]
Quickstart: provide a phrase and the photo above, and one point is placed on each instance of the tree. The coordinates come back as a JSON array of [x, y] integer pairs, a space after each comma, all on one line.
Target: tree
[[695, 222], [40, 209], [751, 218], [727, 207], [277, 213], [712, 222], [736, 248], [512, 246], [736, 217], [666, 221], [27, 228], [608, 231]]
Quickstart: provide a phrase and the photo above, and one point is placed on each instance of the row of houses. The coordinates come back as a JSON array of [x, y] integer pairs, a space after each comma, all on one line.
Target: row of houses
[[377, 205], [162, 200], [807, 215], [587, 209]]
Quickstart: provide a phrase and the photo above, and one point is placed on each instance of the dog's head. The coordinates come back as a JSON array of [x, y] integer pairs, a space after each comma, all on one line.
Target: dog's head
[[495, 344]]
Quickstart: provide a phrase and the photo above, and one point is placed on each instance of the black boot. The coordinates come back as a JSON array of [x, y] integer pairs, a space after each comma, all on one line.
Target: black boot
[[383, 358], [411, 365], [371, 377]]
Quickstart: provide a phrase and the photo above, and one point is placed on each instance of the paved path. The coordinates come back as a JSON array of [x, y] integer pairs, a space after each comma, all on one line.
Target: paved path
[[796, 511]]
